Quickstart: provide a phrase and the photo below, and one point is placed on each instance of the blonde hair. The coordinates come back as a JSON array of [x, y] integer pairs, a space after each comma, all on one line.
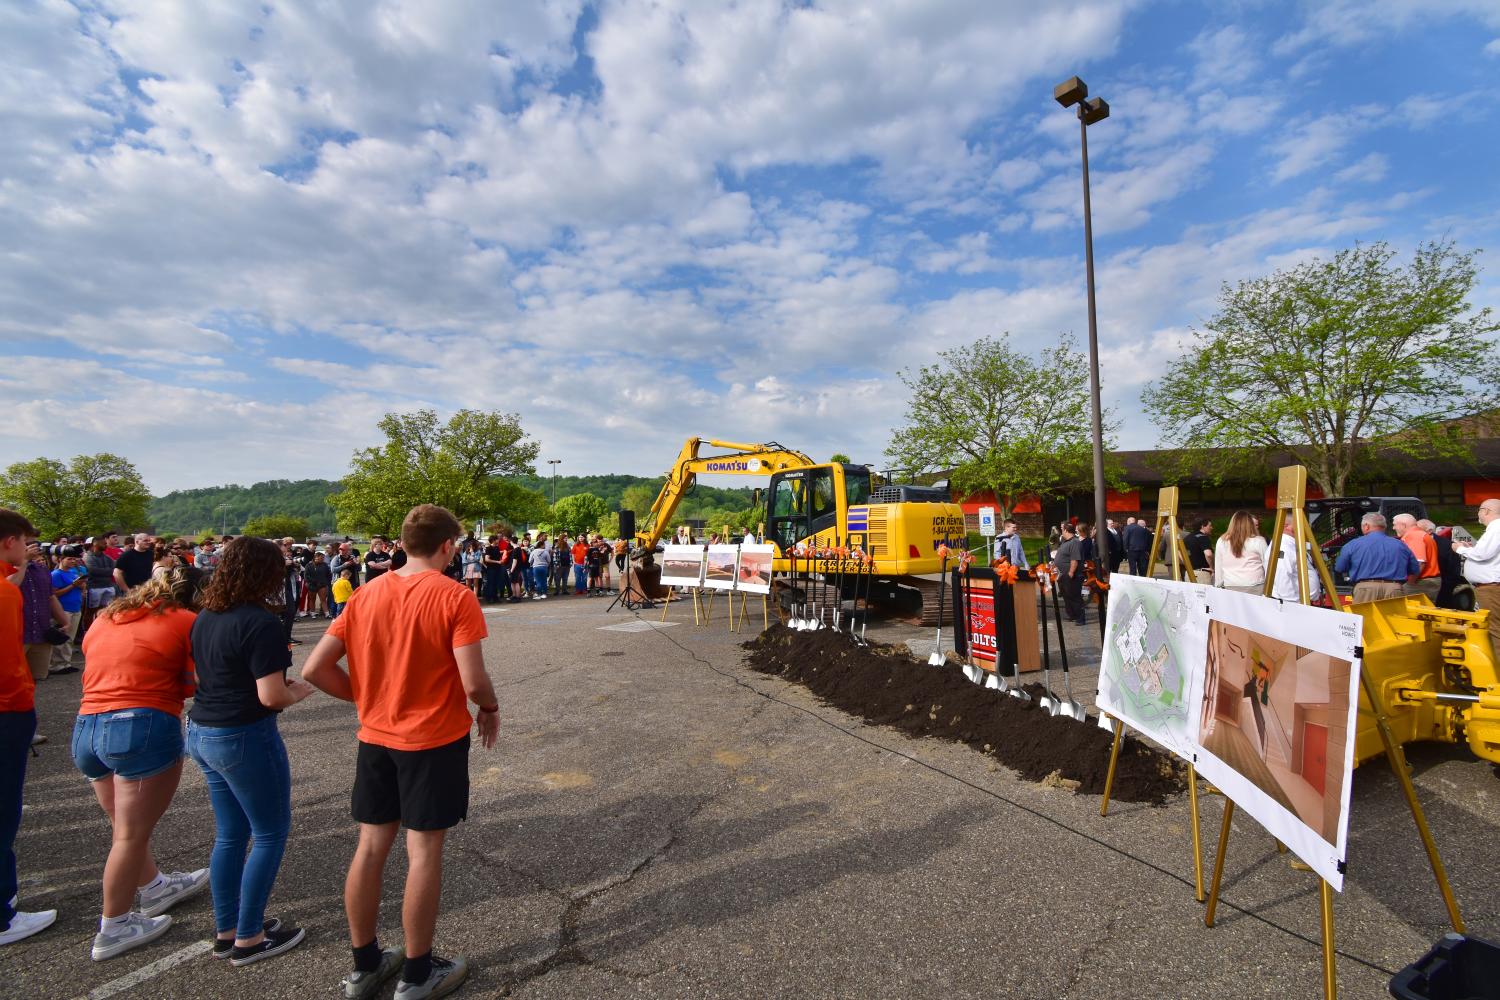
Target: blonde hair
[[179, 587], [1241, 530]]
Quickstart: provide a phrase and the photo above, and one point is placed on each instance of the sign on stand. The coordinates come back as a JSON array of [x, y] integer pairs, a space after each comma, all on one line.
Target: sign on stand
[[987, 522]]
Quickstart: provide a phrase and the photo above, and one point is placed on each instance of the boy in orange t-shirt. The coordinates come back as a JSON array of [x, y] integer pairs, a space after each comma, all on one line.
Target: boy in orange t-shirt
[[17, 726], [413, 642]]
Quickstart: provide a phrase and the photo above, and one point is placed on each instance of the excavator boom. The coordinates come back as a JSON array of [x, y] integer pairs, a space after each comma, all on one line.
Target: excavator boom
[[735, 459]]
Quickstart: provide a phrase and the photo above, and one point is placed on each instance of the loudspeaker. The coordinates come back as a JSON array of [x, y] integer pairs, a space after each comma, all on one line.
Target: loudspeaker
[[627, 524]]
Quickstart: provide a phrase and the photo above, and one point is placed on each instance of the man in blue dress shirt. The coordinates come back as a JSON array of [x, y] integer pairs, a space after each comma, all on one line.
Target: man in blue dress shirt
[[1378, 565]]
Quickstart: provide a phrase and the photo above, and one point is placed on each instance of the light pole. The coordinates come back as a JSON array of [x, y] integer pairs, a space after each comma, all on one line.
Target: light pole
[[554, 462], [1090, 110], [224, 524]]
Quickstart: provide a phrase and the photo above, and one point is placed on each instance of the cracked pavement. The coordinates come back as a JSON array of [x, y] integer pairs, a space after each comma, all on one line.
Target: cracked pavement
[[660, 821]]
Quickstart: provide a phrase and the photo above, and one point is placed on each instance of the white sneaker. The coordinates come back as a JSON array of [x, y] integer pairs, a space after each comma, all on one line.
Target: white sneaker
[[176, 887], [138, 929], [23, 925]]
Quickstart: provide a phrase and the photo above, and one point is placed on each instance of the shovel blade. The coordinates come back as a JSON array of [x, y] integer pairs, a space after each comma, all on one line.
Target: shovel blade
[[1075, 711], [975, 675], [1049, 705], [1017, 692], [1105, 723]]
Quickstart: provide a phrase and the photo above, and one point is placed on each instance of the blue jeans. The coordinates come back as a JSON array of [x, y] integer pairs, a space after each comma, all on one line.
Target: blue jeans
[[539, 579], [580, 578], [134, 743], [16, 730], [250, 788]]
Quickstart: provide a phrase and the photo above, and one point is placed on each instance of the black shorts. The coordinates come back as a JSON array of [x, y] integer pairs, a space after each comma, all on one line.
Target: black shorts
[[424, 789]]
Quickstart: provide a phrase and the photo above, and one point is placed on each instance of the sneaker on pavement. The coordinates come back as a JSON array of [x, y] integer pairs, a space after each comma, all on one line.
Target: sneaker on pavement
[[282, 939], [38, 740], [175, 887], [446, 976], [137, 930], [23, 925], [223, 948], [361, 985]]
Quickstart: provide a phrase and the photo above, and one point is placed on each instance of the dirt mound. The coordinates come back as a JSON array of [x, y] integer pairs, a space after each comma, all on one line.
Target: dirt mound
[[885, 686]]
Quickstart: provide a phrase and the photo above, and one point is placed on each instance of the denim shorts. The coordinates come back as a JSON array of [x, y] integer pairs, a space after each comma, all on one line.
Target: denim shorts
[[133, 743]]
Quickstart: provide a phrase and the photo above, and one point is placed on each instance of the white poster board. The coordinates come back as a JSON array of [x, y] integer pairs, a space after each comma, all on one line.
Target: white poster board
[[755, 568], [1153, 657], [682, 566], [1276, 719], [1262, 696], [721, 567]]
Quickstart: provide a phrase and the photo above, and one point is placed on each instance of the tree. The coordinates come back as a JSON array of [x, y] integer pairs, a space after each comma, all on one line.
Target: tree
[[1001, 421], [578, 513], [839, 458], [1335, 362], [459, 465], [639, 498], [278, 526], [90, 494]]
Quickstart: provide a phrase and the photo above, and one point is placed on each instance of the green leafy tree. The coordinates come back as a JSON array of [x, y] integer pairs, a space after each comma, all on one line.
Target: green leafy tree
[[578, 513], [1335, 361], [460, 465], [839, 458], [1001, 421], [91, 493], [278, 526], [639, 498]]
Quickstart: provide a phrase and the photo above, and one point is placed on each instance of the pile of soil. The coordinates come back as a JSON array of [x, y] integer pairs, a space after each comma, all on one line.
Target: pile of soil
[[886, 686]]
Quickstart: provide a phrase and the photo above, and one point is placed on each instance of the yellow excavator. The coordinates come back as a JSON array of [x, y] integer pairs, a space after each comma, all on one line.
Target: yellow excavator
[[826, 505]]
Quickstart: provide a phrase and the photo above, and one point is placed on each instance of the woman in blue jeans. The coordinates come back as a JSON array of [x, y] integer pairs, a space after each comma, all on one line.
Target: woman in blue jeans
[[242, 657]]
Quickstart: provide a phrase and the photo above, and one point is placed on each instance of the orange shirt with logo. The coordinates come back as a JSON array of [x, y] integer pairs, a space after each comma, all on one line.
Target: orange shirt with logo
[[17, 689], [1424, 547], [138, 660], [399, 634]]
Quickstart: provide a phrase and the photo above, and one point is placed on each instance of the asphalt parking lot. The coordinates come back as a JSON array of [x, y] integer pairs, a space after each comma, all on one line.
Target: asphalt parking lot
[[658, 820]]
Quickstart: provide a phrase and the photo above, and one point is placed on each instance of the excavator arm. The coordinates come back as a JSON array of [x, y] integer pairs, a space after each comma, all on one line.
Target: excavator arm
[[735, 460]]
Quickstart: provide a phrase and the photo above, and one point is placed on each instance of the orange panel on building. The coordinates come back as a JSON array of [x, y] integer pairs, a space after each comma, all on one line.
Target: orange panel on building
[[1127, 501], [1477, 491]]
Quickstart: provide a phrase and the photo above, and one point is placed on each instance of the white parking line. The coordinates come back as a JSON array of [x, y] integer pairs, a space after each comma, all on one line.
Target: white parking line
[[131, 980]]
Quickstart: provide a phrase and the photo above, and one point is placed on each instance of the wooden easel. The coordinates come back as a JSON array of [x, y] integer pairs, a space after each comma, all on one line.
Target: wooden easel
[[1291, 500], [1166, 515], [700, 613]]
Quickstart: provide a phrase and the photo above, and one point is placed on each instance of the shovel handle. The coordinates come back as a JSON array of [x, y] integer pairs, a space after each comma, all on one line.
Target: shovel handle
[[1062, 645]]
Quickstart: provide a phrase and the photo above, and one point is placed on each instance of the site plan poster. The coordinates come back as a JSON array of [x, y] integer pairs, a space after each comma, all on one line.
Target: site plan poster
[[1275, 719], [1153, 658], [682, 566]]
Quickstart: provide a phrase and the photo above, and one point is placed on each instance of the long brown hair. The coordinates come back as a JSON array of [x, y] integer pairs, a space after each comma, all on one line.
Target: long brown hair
[[181, 587], [251, 571], [1241, 530]]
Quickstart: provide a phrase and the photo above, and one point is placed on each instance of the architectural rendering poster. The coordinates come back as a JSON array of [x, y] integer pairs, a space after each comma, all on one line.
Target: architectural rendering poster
[[682, 566], [1153, 658], [755, 568], [1275, 719], [721, 567]]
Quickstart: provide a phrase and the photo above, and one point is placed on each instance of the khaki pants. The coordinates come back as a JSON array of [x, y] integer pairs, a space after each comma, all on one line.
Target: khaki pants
[[1377, 590], [38, 655], [1487, 597], [62, 656], [1427, 586], [1204, 576]]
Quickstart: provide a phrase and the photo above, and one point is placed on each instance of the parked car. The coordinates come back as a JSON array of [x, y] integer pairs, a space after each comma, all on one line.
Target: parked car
[[1336, 521]]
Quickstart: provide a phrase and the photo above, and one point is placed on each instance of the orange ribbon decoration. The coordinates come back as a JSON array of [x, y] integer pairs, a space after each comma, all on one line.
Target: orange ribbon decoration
[[1006, 573]]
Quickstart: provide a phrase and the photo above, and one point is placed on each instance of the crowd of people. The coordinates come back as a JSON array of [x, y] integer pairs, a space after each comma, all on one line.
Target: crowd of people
[[169, 622], [1419, 558]]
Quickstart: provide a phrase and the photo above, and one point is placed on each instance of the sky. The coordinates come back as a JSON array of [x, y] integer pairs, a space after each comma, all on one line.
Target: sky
[[233, 235]]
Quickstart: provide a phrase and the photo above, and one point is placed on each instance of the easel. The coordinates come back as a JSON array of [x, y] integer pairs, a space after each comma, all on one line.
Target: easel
[[1166, 514], [1291, 499], [700, 608], [765, 609]]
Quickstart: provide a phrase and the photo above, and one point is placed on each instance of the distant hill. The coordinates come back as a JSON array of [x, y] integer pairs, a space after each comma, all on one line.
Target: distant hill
[[190, 511]]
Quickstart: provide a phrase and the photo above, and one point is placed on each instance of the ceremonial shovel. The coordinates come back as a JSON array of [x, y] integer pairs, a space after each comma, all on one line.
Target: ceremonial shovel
[[1049, 704], [1071, 707], [936, 658], [1018, 691]]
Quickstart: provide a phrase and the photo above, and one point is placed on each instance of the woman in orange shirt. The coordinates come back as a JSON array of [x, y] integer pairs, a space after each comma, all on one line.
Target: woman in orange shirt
[[128, 743]]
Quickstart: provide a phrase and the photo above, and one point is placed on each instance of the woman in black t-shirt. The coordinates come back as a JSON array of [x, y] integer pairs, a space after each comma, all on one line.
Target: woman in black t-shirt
[[242, 657]]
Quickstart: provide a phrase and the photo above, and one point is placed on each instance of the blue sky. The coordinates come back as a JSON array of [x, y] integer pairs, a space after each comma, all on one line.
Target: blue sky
[[234, 239]]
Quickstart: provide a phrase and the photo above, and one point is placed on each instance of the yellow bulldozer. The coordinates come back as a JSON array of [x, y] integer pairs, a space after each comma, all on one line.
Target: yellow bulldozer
[[828, 505]]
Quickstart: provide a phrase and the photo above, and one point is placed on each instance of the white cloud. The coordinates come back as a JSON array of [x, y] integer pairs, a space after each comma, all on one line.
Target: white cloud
[[1225, 56], [1343, 23], [1367, 170], [1493, 48]]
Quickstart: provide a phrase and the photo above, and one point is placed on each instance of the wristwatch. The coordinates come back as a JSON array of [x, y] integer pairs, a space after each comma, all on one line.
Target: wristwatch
[[489, 709]]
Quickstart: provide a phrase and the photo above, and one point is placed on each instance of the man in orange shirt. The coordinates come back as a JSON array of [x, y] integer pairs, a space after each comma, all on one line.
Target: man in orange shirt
[[413, 642], [17, 726], [580, 566], [1424, 547]]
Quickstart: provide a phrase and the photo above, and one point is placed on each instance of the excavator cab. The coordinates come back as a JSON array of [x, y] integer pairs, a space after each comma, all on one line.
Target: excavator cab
[[802, 503]]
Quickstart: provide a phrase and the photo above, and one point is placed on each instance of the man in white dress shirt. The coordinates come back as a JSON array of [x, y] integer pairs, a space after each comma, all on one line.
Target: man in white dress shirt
[[1482, 566], [1287, 586]]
